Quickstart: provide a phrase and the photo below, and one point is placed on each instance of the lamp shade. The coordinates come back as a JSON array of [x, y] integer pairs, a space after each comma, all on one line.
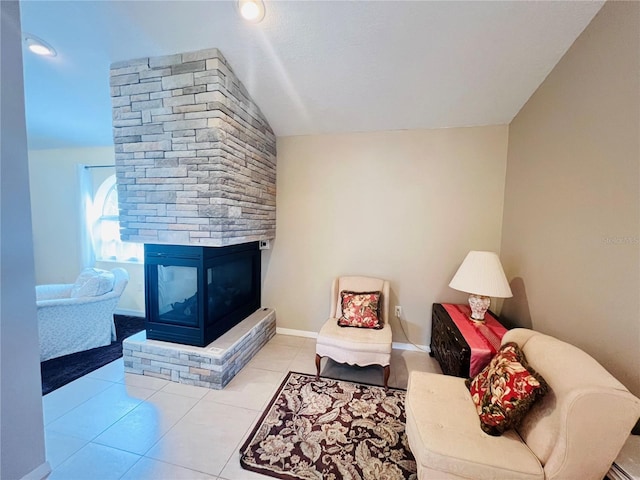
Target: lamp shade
[[481, 273]]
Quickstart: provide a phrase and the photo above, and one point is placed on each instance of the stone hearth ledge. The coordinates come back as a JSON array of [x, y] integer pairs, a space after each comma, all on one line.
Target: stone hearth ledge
[[212, 366]]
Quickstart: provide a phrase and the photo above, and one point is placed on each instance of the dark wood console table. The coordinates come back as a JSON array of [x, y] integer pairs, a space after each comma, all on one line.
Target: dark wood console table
[[450, 347]]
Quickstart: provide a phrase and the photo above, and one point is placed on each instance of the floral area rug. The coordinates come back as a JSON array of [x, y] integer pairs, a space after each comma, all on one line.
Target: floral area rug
[[331, 430]]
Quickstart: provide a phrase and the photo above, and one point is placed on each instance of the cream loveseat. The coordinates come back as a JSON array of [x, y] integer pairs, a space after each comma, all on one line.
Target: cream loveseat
[[574, 432], [77, 317]]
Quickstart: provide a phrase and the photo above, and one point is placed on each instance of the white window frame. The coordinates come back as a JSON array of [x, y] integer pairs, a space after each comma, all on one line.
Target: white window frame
[[111, 248]]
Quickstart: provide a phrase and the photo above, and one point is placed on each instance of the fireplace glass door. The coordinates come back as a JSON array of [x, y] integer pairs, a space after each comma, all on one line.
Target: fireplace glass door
[[230, 285], [177, 294], [195, 294]]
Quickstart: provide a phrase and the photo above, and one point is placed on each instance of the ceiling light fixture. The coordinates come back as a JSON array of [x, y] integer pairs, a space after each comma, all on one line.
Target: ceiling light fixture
[[251, 10], [39, 46]]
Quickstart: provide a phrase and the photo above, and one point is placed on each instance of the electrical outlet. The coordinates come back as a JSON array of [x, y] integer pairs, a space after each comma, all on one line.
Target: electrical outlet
[[398, 311]]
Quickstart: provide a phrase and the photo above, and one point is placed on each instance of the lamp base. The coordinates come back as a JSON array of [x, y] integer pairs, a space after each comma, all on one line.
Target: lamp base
[[479, 305]]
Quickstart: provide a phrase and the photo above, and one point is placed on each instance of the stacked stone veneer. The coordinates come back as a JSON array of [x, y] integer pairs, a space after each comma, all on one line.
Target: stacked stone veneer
[[213, 366], [195, 157]]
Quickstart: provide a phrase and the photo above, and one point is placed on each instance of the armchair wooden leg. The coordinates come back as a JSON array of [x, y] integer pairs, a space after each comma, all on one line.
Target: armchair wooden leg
[[387, 372], [318, 358]]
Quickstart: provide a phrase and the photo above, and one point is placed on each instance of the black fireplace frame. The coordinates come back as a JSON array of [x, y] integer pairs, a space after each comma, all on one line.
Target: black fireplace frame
[[204, 331]]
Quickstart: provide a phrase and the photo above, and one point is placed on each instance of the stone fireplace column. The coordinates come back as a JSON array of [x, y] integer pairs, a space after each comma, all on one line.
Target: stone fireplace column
[[195, 157]]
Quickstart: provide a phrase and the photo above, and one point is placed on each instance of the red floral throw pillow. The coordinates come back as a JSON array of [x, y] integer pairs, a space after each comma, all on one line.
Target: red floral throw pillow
[[360, 309], [505, 390]]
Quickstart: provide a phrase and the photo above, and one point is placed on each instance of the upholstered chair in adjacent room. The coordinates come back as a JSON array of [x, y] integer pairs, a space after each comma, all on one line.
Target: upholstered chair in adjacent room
[[77, 317], [356, 345]]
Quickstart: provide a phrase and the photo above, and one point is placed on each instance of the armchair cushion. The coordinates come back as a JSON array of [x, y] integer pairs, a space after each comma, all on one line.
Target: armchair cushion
[[504, 391], [92, 282], [360, 309], [442, 430]]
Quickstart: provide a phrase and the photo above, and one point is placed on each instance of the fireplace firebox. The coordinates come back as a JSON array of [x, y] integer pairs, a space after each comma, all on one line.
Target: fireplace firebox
[[195, 294]]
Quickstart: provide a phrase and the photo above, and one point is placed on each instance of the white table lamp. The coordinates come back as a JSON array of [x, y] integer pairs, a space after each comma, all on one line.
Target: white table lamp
[[482, 276]]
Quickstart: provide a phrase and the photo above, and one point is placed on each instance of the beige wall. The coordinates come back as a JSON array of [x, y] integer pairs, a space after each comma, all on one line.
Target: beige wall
[[403, 205], [22, 446], [413, 201], [572, 198], [55, 210]]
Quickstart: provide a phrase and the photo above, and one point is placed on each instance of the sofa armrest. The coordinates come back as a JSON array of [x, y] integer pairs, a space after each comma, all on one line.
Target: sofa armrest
[[53, 291], [77, 300]]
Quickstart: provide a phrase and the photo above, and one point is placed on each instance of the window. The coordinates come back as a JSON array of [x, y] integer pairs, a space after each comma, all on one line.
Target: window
[[106, 227]]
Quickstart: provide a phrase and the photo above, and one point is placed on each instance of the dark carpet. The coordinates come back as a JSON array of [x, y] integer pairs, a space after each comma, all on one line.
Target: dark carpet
[[57, 372]]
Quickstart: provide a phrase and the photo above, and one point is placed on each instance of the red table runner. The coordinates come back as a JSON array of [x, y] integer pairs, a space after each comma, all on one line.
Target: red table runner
[[483, 338]]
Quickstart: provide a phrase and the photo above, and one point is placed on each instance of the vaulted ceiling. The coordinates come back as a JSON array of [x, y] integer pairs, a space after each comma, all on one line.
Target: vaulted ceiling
[[313, 67]]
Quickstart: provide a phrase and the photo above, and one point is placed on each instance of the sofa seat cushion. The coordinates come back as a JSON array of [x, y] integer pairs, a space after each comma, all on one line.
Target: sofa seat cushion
[[446, 439], [355, 346]]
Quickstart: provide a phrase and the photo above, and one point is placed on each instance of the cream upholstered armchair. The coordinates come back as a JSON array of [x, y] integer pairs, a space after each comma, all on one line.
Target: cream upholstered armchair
[[79, 316], [356, 346], [574, 432]]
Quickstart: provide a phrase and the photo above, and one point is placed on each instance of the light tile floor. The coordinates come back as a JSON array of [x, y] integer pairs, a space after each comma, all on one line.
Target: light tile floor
[[111, 425]]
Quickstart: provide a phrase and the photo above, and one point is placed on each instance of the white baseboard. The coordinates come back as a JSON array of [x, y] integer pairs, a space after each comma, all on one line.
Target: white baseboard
[[411, 347], [131, 313], [396, 345], [39, 473], [296, 333]]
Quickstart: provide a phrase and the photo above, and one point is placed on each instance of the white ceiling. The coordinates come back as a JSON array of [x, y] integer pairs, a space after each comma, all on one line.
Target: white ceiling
[[313, 67]]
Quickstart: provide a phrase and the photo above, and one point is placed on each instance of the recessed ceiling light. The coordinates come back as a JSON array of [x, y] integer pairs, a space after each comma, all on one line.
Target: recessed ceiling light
[[251, 10], [39, 46]]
